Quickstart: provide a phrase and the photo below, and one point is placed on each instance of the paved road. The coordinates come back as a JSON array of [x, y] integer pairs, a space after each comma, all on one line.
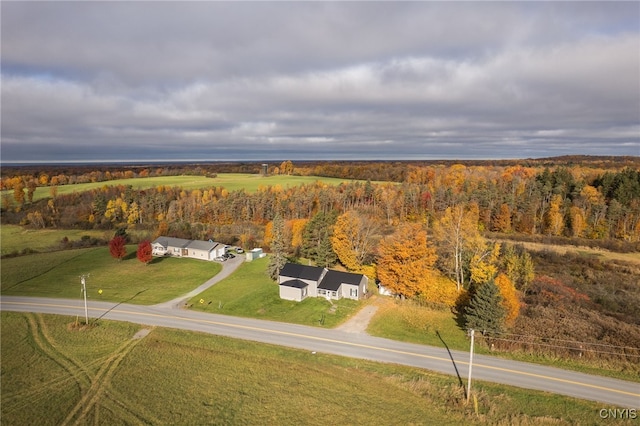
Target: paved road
[[610, 392]]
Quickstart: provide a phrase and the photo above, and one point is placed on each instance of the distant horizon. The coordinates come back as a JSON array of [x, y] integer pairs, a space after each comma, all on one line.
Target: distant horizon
[[276, 160]]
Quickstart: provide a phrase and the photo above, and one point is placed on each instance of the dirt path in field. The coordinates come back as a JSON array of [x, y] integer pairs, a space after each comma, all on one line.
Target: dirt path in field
[[360, 321], [228, 268], [588, 251]]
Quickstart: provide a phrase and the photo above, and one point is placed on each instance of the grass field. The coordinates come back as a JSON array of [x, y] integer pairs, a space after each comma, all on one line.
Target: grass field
[[53, 373], [249, 292], [230, 181], [14, 238], [56, 274]]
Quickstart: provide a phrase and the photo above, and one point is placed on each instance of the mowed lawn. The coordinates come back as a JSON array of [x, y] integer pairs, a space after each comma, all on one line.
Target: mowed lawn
[[230, 181], [57, 274], [249, 292], [53, 373]]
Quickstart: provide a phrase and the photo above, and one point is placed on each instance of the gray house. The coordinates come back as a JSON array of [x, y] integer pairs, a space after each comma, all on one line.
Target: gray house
[[298, 282], [337, 284], [179, 247]]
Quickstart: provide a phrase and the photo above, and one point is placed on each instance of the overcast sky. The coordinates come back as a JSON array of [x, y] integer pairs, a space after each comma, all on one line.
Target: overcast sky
[[318, 80]]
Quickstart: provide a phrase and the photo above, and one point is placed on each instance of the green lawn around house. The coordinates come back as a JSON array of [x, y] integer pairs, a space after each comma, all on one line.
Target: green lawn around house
[[249, 292], [102, 375], [230, 181], [56, 274]]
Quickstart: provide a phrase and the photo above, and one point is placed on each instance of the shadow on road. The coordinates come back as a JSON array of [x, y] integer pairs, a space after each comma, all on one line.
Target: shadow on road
[[119, 303], [452, 360]]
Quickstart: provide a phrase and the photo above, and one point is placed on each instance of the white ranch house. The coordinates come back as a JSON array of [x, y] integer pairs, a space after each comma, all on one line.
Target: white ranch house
[[297, 282], [179, 247]]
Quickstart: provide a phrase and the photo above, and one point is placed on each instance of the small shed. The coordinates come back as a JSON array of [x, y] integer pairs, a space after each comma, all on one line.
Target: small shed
[[256, 253]]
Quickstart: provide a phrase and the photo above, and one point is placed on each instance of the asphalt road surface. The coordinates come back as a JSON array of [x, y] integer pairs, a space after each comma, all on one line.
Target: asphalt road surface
[[609, 392]]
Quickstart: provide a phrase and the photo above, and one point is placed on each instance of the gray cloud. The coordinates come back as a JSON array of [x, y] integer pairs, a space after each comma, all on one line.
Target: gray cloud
[[318, 80]]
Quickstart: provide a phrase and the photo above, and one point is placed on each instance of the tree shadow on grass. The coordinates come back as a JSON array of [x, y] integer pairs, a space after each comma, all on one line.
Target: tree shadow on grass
[[156, 260], [129, 256]]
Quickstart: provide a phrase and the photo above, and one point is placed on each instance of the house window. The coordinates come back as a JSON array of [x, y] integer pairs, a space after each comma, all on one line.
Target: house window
[[353, 292], [322, 292], [334, 294]]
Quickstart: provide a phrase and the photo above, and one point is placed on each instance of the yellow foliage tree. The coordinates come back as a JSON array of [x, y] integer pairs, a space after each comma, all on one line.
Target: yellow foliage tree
[[510, 300], [554, 219], [440, 290], [578, 221], [297, 228], [405, 263], [268, 233], [351, 240], [457, 233], [483, 265]]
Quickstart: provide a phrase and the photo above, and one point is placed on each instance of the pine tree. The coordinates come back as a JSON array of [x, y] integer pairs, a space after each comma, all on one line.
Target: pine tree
[[485, 312], [317, 239], [278, 256]]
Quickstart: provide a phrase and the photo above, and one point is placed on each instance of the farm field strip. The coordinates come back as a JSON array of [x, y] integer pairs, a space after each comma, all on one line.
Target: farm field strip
[[230, 181]]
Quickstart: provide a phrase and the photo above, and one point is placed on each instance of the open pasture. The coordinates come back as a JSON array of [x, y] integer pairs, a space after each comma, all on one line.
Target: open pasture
[[16, 238], [57, 274], [103, 375], [230, 181]]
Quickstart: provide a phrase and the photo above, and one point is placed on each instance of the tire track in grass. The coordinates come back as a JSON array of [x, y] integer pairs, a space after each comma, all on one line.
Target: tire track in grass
[[128, 414], [42, 341], [99, 386]]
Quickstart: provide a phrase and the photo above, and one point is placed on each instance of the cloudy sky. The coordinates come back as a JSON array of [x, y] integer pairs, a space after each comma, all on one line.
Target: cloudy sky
[[111, 81]]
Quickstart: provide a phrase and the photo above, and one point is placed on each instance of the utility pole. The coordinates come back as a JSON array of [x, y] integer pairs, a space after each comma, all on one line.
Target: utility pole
[[471, 332], [84, 291]]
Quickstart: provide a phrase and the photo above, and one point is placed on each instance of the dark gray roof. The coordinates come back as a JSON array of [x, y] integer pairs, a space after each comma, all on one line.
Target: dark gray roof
[[303, 272], [170, 241], [334, 279], [202, 245], [295, 284]]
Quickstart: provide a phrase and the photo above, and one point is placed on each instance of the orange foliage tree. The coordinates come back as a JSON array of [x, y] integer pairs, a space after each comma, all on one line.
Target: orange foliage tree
[[117, 247], [405, 261], [144, 252]]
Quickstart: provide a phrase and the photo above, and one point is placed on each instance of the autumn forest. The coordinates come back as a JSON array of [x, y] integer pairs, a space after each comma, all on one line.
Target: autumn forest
[[475, 237]]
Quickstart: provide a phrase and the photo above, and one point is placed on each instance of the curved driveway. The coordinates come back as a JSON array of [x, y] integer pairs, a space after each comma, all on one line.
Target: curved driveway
[[611, 392]]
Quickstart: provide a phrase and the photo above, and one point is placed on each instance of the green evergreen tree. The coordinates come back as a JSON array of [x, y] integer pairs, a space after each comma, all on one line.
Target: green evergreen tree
[[316, 239], [485, 312], [278, 247]]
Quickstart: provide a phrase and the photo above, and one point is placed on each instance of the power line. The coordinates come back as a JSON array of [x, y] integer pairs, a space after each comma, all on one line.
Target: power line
[[569, 341], [574, 348]]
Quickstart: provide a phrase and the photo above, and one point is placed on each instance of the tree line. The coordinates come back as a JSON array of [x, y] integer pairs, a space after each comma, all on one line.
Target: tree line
[[424, 237], [562, 201]]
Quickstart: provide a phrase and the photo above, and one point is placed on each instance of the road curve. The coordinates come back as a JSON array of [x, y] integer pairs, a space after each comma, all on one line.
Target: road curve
[[612, 392]]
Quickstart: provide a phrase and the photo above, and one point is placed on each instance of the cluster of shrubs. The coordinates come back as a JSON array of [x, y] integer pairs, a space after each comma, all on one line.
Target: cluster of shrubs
[[83, 242]]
